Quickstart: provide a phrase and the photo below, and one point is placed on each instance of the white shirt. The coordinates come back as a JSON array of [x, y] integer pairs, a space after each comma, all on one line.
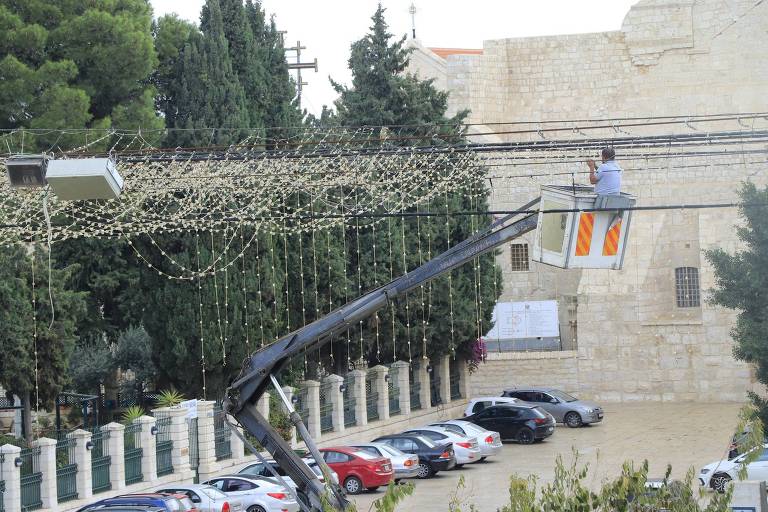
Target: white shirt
[[608, 179]]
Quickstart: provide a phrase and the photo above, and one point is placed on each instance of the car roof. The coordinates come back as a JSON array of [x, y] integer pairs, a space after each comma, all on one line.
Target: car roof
[[344, 449], [127, 508], [531, 388], [513, 406], [491, 398]]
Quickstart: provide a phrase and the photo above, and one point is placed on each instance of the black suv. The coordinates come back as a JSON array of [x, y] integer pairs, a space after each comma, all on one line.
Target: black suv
[[515, 422], [433, 457]]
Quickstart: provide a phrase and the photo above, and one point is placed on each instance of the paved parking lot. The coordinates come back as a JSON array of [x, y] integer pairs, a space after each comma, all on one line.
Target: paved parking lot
[[683, 435]]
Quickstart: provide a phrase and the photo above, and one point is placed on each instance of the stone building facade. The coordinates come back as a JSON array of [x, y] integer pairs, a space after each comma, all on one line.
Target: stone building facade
[[631, 339]]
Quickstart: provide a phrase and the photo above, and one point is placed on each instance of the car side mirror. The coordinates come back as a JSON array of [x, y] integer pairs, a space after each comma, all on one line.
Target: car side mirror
[[195, 499]]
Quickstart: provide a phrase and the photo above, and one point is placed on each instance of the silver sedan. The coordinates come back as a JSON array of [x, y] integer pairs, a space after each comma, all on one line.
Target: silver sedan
[[256, 494], [206, 498], [488, 441], [406, 465]]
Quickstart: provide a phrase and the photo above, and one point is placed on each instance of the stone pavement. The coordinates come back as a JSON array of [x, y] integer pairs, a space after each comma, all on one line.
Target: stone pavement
[[682, 434]]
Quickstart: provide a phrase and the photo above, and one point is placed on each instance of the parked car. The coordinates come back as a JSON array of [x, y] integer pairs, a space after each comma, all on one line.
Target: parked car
[[564, 407], [478, 404], [522, 423], [260, 469], [256, 494], [466, 448], [433, 457], [357, 469], [127, 508], [717, 475], [206, 498], [405, 465], [488, 441], [164, 502]]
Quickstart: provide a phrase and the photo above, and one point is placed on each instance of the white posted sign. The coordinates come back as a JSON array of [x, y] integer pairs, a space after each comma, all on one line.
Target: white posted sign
[[534, 319], [191, 407]]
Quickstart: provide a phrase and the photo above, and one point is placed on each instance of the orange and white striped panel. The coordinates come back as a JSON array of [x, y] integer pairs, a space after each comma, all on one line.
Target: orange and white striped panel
[[584, 238], [611, 244]]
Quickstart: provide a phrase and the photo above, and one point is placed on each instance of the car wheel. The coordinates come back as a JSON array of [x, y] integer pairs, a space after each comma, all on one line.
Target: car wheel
[[255, 508], [573, 419], [525, 436], [482, 459], [425, 470], [458, 466], [719, 482], [353, 485]]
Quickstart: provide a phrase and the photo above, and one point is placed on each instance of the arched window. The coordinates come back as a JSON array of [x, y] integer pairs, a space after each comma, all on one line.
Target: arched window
[[687, 290]]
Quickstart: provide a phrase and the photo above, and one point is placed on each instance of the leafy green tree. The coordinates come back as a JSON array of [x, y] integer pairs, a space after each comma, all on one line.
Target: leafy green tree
[[40, 338], [447, 311], [740, 283], [59, 63], [134, 352]]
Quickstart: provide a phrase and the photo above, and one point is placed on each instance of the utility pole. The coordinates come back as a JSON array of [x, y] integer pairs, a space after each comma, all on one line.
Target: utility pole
[[412, 10], [298, 66]]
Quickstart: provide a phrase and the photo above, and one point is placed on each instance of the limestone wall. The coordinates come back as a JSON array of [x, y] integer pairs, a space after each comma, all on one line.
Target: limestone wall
[[671, 57]]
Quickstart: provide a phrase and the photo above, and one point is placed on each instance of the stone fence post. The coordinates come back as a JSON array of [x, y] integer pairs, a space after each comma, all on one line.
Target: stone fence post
[[48, 490], [357, 381], [444, 371], [116, 450], [11, 475], [312, 398], [262, 405], [381, 387], [84, 480], [236, 445], [289, 392], [148, 441], [403, 386], [421, 376], [336, 398], [206, 440], [179, 435]]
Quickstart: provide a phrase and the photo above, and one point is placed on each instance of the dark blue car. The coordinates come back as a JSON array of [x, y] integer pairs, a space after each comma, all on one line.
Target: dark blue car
[[157, 501]]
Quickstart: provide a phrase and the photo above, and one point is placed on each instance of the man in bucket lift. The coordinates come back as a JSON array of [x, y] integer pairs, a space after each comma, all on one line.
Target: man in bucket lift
[[606, 179]]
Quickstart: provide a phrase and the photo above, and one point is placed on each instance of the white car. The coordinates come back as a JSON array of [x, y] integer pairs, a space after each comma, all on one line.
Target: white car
[[488, 441], [717, 475], [478, 404], [466, 449], [256, 494], [205, 498], [257, 469], [405, 465]]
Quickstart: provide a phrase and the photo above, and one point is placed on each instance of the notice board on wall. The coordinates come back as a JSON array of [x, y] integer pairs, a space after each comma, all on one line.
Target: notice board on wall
[[532, 319]]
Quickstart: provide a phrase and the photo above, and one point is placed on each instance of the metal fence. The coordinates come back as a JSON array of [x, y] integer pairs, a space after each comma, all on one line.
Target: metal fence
[[434, 388], [2, 484], [100, 461], [326, 409], [302, 407], [194, 451], [222, 435], [455, 371], [164, 446], [31, 478], [371, 396], [415, 388], [394, 392], [349, 403], [133, 454], [66, 470]]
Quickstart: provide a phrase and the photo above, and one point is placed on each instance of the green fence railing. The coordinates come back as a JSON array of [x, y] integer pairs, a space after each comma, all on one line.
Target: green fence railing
[[66, 470], [31, 478], [371, 397], [222, 435], [164, 446], [133, 454], [455, 380], [2, 485], [415, 389], [349, 403], [194, 452], [100, 461]]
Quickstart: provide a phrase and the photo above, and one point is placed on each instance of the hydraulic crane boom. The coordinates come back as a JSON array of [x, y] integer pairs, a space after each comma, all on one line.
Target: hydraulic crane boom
[[243, 394]]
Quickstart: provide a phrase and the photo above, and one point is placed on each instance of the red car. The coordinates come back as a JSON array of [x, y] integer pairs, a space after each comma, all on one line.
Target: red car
[[357, 469]]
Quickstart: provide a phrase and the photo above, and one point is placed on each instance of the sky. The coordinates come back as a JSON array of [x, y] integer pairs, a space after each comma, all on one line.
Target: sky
[[328, 27]]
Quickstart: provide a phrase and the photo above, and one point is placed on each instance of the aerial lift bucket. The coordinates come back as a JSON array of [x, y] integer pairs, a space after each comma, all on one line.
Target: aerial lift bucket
[[581, 239]]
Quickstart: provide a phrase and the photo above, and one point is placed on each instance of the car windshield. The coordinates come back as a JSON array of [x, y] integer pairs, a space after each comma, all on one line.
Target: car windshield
[[213, 493], [427, 441], [364, 455], [565, 397]]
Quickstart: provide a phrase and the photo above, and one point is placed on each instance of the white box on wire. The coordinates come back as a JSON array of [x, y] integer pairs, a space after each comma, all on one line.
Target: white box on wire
[[84, 179]]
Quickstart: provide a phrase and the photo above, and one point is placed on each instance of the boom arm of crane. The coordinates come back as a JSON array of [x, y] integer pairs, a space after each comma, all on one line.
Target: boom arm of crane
[[254, 378]]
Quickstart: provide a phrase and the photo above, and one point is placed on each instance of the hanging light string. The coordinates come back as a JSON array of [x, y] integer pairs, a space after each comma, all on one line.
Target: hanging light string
[[34, 329], [218, 306], [200, 311]]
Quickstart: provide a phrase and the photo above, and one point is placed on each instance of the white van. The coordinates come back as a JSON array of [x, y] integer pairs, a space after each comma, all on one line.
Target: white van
[[478, 404]]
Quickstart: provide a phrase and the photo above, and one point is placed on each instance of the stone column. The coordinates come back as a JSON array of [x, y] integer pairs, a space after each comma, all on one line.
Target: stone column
[[12, 477], [179, 435], [116, 450], [206, 441], [444, 367], [403, 386], [48, 491], [262, 405], [337, 401], [382, 388], [313, 408], [83, 460], [289, 392], [236, 445], [149, 448], [357, 381], [422, 377], [464, 379]]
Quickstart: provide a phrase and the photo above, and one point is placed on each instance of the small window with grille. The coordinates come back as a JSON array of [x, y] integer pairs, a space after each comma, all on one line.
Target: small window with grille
[[519, 255], [687, 289]]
